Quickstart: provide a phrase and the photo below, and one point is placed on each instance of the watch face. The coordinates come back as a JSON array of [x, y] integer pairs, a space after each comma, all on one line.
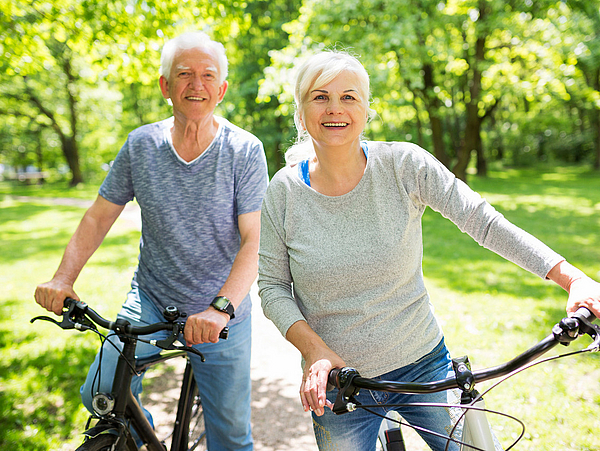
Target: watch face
[[220, 302]]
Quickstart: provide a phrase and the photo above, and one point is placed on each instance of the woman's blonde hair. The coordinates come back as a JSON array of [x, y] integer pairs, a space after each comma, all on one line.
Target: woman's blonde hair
[[319, 70]]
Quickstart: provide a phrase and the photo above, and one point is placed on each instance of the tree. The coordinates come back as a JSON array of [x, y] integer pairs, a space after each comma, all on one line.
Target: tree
[[452, 63], [586, 16]]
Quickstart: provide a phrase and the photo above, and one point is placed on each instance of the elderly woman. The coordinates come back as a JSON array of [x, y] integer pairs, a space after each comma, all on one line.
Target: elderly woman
[[340, 260]]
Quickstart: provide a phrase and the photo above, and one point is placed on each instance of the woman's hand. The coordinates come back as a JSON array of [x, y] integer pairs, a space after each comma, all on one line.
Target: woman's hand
[[319, 360], [584, 292], [314, 381]]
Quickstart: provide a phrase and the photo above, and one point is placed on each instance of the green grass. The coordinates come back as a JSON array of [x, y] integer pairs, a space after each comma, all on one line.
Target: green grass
[[41, 366], [489, 308], [492, 310]]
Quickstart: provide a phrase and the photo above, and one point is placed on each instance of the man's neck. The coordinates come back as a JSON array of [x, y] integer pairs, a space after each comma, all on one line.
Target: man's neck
[[192, 138]]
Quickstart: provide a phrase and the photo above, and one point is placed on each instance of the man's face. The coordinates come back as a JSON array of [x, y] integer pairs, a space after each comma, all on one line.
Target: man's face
[[193, 84]]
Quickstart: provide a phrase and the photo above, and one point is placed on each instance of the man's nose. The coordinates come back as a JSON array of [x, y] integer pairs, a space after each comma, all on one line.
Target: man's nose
[[197, 82]]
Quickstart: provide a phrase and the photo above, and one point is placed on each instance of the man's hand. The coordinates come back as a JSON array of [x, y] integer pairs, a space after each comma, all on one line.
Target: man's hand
[[205, 327], [52, 294]]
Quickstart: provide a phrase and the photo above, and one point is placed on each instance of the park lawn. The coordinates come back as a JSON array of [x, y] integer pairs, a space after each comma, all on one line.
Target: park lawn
[[489, 308], [42, 366]]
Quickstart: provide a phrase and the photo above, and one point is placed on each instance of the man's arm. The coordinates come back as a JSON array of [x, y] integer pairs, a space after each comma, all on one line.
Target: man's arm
[[205, 326], [92, 229]]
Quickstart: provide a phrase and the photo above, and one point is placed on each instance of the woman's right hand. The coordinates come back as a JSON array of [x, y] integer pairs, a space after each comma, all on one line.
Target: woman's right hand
[[319, 360], [314, 380], [52, 294]]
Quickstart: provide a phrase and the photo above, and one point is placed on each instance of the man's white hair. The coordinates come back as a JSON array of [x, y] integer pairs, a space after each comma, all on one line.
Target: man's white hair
[[192, 40]]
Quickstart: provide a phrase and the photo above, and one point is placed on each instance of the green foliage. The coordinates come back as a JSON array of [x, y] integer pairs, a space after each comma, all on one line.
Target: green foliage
[[77, 75]]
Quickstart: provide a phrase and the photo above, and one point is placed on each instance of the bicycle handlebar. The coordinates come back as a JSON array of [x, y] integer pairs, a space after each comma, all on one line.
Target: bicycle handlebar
[[78, 315], [349, 381]]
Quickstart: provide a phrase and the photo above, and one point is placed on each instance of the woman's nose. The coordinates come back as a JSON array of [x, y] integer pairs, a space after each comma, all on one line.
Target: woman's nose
[[334, 107]]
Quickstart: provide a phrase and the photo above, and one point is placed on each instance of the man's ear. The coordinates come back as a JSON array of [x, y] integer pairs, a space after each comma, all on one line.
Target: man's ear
[[223, 90], [164, 86]]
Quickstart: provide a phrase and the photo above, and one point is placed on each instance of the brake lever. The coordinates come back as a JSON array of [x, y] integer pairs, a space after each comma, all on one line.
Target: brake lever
[[72, 318], [345, 402], [168, 343], [595, 334]]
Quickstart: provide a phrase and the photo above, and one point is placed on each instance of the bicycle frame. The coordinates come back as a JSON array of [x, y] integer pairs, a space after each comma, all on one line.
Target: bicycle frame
[[476, 428], [127, 407]]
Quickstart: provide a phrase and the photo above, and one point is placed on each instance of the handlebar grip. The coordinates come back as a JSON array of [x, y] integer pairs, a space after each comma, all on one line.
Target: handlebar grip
[[332, 379], [224, 334], [584, 313]]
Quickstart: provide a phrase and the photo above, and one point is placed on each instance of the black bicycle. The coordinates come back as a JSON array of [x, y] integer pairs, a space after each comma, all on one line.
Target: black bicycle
[[476, 433], [115, 413]]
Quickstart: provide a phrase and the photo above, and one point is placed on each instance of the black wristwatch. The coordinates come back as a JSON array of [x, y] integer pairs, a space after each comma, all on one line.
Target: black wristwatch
[[222, 304]]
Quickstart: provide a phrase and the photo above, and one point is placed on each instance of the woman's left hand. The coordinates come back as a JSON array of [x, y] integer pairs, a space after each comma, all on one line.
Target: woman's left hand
[[584, 292]]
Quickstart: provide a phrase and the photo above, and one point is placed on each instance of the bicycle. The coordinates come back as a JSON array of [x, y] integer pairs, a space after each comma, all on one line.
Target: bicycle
[[476, 430], [116, 412]]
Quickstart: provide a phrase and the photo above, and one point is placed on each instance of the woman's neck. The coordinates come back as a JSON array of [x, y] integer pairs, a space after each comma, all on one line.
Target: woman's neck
[[336, 171]]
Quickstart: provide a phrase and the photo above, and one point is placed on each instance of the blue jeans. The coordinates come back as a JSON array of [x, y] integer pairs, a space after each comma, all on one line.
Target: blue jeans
[[223, 379], [358, 430]]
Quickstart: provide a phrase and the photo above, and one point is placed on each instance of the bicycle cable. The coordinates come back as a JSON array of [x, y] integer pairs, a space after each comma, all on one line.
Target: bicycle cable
[[368, 407], [98, 374], [508, 376]]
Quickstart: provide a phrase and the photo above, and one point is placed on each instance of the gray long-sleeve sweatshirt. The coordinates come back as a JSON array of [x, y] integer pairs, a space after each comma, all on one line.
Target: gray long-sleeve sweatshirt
[[351, 265]]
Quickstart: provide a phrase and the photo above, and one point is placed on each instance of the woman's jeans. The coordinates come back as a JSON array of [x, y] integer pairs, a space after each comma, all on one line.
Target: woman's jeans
[[358, 430], [223, 379]]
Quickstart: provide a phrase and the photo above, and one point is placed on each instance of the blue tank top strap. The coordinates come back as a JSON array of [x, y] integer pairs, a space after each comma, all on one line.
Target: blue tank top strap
[[303, 171], [303, 165]]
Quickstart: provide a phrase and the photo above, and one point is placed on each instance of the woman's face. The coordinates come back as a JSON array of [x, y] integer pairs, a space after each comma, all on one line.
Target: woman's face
[[335, 115]]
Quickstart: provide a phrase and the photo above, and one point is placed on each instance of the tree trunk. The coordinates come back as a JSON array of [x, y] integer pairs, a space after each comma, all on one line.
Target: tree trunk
[[432, 103], [472, 137], [596, 123], [71, 153]]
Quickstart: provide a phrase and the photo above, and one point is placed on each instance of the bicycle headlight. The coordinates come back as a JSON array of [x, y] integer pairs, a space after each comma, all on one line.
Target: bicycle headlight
[[103, 403]]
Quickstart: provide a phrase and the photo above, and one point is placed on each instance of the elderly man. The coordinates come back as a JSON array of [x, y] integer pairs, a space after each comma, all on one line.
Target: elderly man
[[199, 181]]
